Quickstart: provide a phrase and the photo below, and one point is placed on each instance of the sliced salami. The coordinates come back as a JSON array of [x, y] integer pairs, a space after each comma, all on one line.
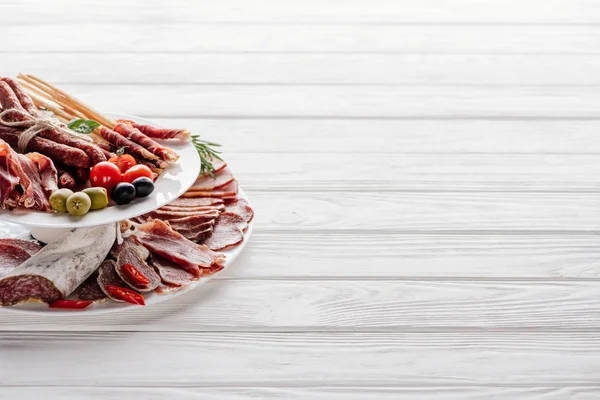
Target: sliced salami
[[90, 290], [107, 276], [11, 257], [133, 257], [26, 245], [227, 232]]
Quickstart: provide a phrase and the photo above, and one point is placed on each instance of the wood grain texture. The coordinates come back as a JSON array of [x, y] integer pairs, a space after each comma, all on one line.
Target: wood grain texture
[[183, 359], [301, 393], [281, 305], [283, 37], [239, 101]]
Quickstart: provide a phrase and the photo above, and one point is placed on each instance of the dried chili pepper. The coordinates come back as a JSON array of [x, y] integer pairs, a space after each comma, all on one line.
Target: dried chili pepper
[[70, 304]]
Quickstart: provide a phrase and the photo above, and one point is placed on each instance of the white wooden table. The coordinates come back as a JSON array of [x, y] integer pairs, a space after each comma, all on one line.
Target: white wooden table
[[426, 177]]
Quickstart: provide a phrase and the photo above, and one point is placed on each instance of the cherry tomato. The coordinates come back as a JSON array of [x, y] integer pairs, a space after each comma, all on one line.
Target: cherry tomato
[[135, 172], [105, 174], [123, 161]]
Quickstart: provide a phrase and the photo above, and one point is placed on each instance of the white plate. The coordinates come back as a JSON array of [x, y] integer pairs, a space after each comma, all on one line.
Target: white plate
[[172, 183]]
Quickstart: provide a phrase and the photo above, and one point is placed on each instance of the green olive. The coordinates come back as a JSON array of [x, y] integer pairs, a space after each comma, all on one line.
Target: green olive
[[58, 199], [79, 204], [99, 197]]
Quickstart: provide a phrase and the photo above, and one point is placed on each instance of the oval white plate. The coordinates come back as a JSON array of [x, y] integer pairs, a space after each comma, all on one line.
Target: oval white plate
[[172, 183]]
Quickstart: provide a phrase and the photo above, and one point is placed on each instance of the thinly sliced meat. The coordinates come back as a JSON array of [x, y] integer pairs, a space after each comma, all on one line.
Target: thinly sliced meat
[[56, 151], [196, 235], [90, 290], [219, 207], [33, 193], [161, 239], [47, 172], [227, 191], [59, 268], [162, 133], [107, 276], [30, 247], [11, 257], [227, 232], [118, 140], [207, 182], [169, 215], [166, 288], [240, 207], [170, 272], [128, 243], [9, 179], [218, 165], [190, 221], [134, 257], [195, 202], [138, 137], [186, 226]]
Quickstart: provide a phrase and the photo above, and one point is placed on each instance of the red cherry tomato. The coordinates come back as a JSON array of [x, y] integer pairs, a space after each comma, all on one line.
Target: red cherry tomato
[[105, 174], [135, 172], [123, 161]]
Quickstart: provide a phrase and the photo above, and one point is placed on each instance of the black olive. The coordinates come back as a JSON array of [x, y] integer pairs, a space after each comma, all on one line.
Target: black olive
[[143, 186], [123, 193]]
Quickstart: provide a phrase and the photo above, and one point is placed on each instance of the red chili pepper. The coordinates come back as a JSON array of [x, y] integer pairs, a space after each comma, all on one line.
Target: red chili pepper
[[135, 275], [70, 304], [127, 295]]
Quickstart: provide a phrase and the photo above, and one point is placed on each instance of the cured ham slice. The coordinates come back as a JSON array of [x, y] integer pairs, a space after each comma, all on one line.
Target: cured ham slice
[[185, 226], [8, 176], [241, 208], [227, 232], [118, 140], [131, 255], [218, 165], [190, 221], [220, 207], [170, 272], [169, 215], [198, 236], [47, 172], [127, 243], [11, 257], [228, 191], [161, 239], [26, 245], [59, 268], [29, 180], [195, 202], [162, 133], [90, 290], [138, 137], [207, 182]]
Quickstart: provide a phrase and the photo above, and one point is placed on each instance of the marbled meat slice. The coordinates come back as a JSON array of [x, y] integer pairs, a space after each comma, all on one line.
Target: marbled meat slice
[[170, 272], [161, 239], [11, 257], [166, 288], [33, 196], [227, 232], [183, 227], [59, 268], [240, 207], [131, 255], [8, 177], [228, 191], [162, 133], [191, 221], [138, 137], [198, 236], [107, 276], [217, 207], [47, 171], [195, 202], [27, 245], [166, 215], [90, 290], [127, 243], [207, 182]]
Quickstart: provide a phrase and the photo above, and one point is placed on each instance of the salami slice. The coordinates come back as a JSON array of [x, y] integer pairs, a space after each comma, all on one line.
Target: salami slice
[[107, 276], [11, 257], [90, 290], [241, 208], [170, 272], [227, 232], [132, 256], [59, 268], [30, 247]]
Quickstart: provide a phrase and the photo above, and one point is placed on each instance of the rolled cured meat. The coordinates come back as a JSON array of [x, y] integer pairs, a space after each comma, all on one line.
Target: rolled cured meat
[[47, 171], [118, 140], [162, 133], [138, 137], [59, 268]]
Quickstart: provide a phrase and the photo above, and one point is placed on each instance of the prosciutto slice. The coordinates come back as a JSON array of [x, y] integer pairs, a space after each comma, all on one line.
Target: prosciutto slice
[[190, 221], [119, 141], [228, 232], [169, 215], [219, 207], [228, 191], [47, 172], [161, 239], [33, 191], [8, 176], [241, 208], [162, 133], [195, 202], [138, 137], [207, 182]]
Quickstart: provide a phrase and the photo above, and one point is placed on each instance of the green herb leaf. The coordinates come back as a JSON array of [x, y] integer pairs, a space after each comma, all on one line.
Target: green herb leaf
[[83, 126], [207, 154]]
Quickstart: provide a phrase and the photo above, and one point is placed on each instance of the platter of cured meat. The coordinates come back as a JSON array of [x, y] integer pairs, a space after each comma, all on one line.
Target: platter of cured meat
[[150, 212]]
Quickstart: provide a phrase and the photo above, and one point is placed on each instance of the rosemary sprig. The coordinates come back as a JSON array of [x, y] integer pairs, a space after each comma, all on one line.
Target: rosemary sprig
[[206, 153]]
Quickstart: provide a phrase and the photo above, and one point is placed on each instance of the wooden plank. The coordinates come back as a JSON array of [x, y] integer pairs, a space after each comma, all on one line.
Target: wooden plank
[[314, 69], [303, 393], [274, 359], [391, 256], [312, 11], [317, 305], [411, 213], [281, 171], [93, 37], [343, 101], [397, 136]]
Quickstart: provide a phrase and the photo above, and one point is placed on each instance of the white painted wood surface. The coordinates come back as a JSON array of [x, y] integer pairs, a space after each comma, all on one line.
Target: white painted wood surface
[[426, 177]]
